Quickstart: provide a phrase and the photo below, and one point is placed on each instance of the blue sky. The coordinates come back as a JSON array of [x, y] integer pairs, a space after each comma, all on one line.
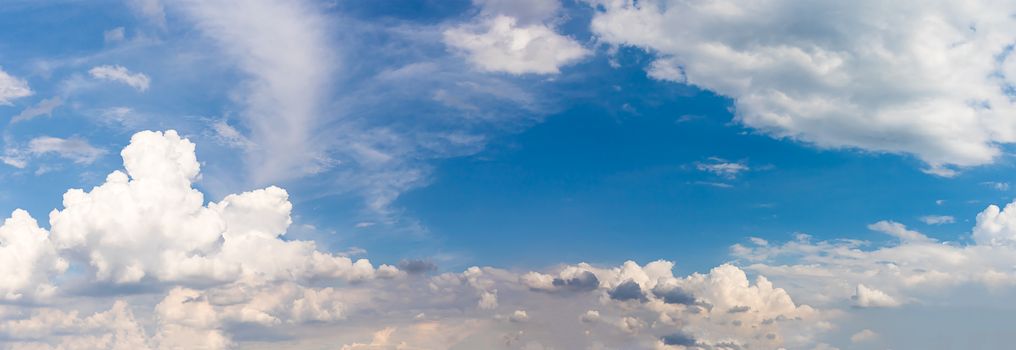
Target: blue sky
[[494, 151]]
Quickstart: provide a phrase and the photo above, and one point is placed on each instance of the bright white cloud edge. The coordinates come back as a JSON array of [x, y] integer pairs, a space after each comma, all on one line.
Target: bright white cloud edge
[[935, 83]]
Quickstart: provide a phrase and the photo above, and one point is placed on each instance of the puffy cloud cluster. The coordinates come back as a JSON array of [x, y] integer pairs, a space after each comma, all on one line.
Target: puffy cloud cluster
[[516, 37], [27, 258], [914, 269], [211, 272], [936, 82], [716, 309], [150, 223], [51, 328]]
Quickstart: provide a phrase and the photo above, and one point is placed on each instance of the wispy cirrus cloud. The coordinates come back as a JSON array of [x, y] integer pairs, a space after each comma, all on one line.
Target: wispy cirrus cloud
[[75, 149], [43, 108]]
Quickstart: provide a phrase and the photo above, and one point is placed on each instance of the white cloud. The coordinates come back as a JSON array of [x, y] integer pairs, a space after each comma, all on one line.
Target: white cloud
[[897, 230], [527, 11], [914, 269], [222, 266], [56, 329], [27, 258], [931, 83], [938, 219], [228, 135], [500, 44], [188, 321], [868, 297], [996, 226], [114, 35], [120, 74], [153, 10], [722, 167], [44, 107], [12, 88], [74, 148], [516, 37], [283, 48], [1001, 186], [519, 316], [865, 335], [185, 240], [380, 340]]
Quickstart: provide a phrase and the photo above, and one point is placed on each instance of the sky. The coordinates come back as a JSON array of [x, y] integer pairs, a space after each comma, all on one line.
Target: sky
[[507, 174]]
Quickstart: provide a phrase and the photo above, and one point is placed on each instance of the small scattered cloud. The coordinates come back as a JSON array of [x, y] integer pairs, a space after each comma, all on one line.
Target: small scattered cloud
[[120, 74], [713, 184], [867, 297], [722, 167], [12, 88], [940, 170], [865, 335], [937, 219], [1001, 186], [75, 148], [519, 316], [687, 118], [117, 116], [758, 241], [43, 108], [114, 35], [898, 230], [515, 37], [590, 316], [227, 135], [152, 10]]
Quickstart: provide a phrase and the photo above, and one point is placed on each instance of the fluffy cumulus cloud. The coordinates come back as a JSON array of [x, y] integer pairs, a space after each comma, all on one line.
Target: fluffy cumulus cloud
[[142, 261], [720, 308], [516, 37], [148, 222], [27, 258], [935, 83]]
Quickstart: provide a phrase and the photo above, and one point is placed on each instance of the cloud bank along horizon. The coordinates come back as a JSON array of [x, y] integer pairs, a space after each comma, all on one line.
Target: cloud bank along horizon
[[141, 261], [207, 271]]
